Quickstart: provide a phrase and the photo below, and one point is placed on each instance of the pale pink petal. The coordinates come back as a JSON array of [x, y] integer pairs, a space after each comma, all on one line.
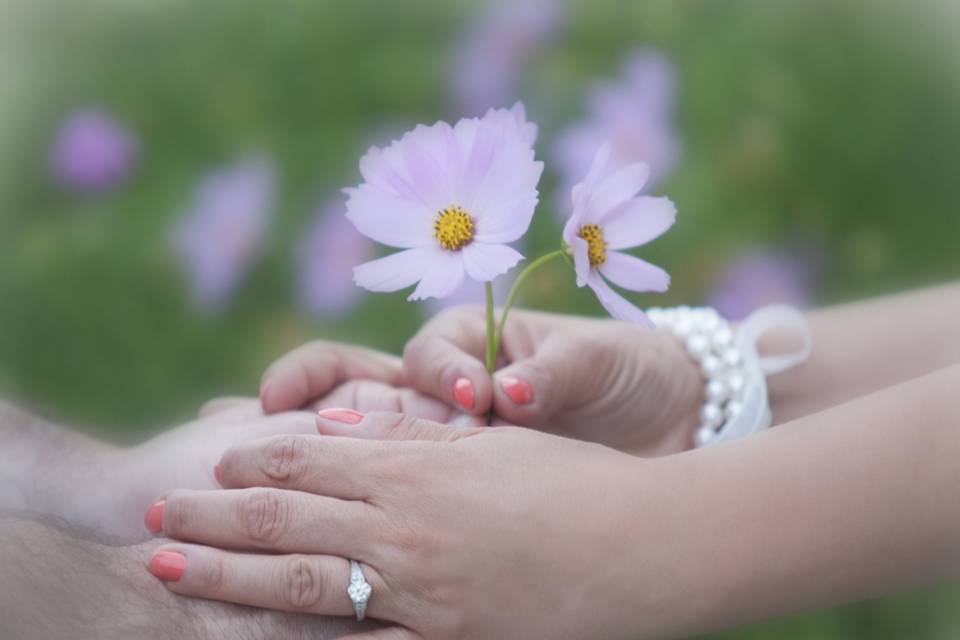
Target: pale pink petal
[[633, 273], [581, 259], [615, 304], [617, 188], [484, 262], [444, 274], [638, 222], [389, 219], [506, 221], [396, 271]]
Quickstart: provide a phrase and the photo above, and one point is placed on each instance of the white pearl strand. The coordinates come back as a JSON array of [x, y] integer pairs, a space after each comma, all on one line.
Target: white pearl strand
[[710, 342]]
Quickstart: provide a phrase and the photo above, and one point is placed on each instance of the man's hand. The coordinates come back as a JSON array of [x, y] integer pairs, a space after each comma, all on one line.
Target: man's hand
[[57, 585]]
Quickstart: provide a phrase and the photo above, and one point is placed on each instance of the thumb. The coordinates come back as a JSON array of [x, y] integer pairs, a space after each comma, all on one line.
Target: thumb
[[529, 392], [444, 360], [377, 425]]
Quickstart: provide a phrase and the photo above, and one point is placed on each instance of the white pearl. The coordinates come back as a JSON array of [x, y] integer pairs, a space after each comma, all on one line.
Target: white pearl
[[732, 357], [711, 366], [722, 338], [717, 391], [704, 436], [698, 345], [683, 327], [710, 322], [711, 415], [736, 382], [733, 408], [655, 315]]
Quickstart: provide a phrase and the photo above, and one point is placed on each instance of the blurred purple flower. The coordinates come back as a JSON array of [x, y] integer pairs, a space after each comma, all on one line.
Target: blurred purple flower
[[757, 278], [92, 151], [224, 229], [491, 55], [326, 257], [633, 114]]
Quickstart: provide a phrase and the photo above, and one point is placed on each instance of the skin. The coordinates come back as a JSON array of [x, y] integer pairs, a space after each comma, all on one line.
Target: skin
[[611, 545], [61, 582], [49, 469], [637, 391]]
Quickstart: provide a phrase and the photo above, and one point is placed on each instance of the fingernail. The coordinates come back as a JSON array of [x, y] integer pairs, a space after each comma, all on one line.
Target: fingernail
[[153, 519], [463, 393], [168, 565], [216, 473], [518, 389], [347, 416]]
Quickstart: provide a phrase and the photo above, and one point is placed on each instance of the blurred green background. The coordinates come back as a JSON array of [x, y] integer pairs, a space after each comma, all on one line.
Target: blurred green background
[[825, 124]]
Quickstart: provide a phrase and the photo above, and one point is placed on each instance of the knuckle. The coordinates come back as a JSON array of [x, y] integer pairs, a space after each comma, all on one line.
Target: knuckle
[[211, 578], [177, 514], [285, 459], [263, 515], [302, 585]]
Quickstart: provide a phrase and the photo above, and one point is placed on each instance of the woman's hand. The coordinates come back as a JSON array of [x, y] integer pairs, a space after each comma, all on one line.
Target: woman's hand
[[604, 381], [184, 458], [462, 532]]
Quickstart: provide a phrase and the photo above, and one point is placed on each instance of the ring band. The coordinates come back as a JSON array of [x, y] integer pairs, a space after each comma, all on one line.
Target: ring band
[[359, 590]]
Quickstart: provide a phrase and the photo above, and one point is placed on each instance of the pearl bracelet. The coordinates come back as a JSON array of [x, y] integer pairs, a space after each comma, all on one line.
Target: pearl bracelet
[[735, 375]]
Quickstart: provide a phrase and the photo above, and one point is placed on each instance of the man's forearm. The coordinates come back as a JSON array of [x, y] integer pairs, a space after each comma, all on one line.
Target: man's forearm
[[867, 346], [58, 581], [50, 470], [856, 502]]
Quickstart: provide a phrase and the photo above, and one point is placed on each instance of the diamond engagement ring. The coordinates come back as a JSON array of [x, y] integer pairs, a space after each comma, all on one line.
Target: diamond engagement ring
[[359, 590]]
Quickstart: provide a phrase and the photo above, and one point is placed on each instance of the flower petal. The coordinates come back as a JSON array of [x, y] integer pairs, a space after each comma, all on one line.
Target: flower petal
[[389, 219], [581, 258], [442, 277], [633, 273], [615, 304], [638, 222], [508, 220], [484, 262], [617, 188], [396, 271]]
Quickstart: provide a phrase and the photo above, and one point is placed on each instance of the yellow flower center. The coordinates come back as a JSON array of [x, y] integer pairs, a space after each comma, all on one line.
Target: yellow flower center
[[453, 228], [596, 245]]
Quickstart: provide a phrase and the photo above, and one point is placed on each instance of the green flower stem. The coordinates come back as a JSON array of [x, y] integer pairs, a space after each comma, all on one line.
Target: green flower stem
[[491, 334], [495, 332]]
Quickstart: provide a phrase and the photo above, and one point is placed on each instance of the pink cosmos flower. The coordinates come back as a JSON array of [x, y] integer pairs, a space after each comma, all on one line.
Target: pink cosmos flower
[[759, 277], [608, 216], [452, 198], [93, 151], [326, 257], [490, 57], [633, 114], [224, 229]]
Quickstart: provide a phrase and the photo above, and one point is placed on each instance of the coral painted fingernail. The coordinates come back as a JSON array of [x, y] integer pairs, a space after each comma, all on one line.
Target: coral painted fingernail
[[518, 389], [153, 519], [216, 473], [168, 565], [463, 393], [347, 416]]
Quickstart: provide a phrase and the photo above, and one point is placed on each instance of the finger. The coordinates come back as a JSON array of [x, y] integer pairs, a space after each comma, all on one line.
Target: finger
[[445, 360], [370, 395], [388, 426], [345, 468], [243, 405], [311, 371], [290, 422], [268, 519], [532, 390], [315, 584], [387, 633]]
